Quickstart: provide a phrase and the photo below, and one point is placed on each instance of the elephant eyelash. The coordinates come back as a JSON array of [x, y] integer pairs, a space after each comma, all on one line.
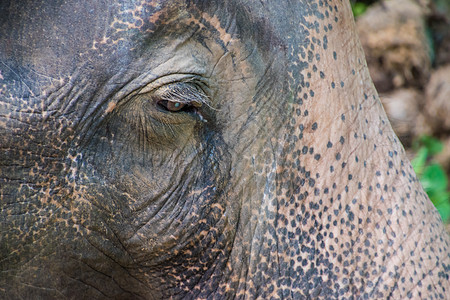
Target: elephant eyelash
[[182, 93], [182, 97]]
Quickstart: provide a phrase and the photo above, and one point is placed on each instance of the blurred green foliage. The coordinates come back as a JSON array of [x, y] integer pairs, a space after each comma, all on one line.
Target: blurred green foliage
[[431, 174], [358, 8]]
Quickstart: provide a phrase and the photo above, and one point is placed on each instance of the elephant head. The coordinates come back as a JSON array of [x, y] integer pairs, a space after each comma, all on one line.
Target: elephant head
[[203, 150]]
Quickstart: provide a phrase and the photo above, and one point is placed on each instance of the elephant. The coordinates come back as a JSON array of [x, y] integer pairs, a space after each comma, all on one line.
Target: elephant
[[189, 149]]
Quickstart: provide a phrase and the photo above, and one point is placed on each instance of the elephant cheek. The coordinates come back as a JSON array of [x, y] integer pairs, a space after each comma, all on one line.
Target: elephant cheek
[[144, 220]]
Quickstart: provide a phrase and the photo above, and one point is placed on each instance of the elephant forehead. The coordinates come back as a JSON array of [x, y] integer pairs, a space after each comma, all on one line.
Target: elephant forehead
[[100, 42], [67, 30]]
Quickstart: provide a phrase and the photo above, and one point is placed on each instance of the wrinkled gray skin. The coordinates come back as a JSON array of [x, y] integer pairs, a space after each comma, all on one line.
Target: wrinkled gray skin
[[203, 149]]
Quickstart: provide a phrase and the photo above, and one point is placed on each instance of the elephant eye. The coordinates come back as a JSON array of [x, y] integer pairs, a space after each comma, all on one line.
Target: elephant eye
[[173, 106], [180, 97]]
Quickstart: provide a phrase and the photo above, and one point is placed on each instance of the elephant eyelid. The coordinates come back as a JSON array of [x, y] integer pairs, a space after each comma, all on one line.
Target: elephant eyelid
[[185, 93]]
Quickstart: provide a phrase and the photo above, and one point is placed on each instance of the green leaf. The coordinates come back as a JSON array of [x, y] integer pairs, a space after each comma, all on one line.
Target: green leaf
[[418, 162], [434, 179], [439, 197], [433, 145], [432, 176], [444, 210], [358, 8]]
